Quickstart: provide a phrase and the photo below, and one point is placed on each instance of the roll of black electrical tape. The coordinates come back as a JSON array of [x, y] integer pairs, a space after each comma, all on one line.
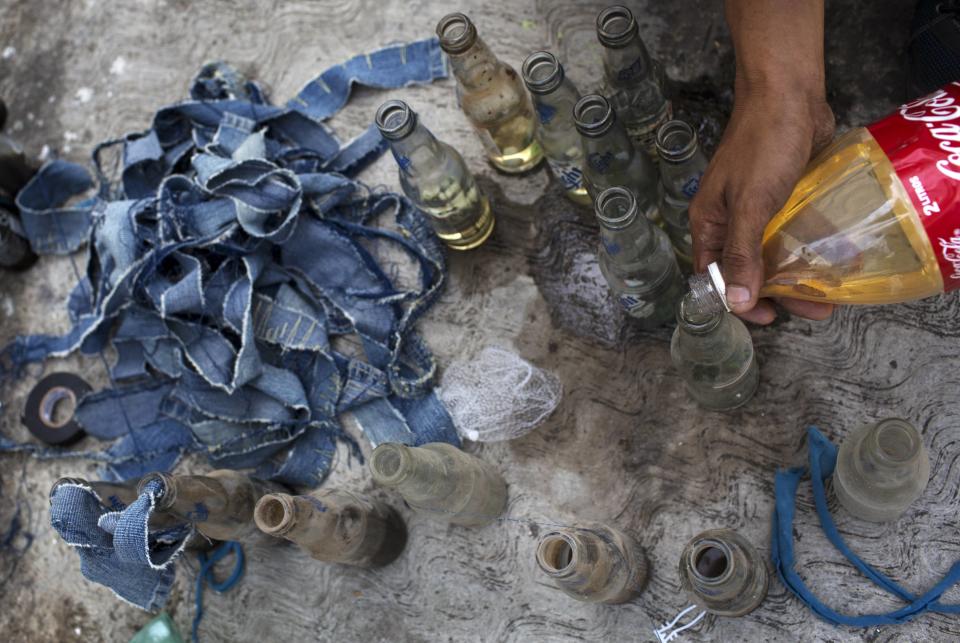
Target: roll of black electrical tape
[[41, 416]]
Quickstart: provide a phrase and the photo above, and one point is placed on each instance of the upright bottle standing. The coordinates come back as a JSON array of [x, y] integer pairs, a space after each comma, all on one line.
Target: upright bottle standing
[[434, 176], [876, 218], [492, 96], [636, 260], [554, 96], [634, 83], [682, 164]]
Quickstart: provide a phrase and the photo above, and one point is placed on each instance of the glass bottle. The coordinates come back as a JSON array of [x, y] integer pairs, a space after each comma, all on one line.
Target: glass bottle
[[492, 96], [881, 469], [636, 260], [15, 172], [434, 176], [442, 481], [611, 159], [875, 219], [723, 573], [682, 164], [220, 504], [714, 354], [554, 96], [335, 526], [634, 82], [594, 563]]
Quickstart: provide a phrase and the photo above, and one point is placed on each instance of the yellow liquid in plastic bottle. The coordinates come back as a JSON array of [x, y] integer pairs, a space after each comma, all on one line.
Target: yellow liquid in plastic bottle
[[849, 233]]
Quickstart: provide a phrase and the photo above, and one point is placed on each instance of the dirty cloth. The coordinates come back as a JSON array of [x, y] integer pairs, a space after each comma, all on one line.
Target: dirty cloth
[[823, 459], [234, 266]]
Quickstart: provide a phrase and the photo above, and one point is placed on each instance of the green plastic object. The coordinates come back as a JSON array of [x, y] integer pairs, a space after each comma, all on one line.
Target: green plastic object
[[159, 630]]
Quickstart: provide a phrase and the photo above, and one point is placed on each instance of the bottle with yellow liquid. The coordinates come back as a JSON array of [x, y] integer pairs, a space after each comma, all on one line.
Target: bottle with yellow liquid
[[434, 176], [875, 219], [492, 96]]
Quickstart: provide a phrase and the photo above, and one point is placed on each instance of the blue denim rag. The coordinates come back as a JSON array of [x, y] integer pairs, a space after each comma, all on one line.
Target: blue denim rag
[[823, 459], [234, 265]]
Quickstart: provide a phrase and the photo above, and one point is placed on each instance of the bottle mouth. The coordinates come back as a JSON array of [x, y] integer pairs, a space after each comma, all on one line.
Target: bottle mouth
[[710, 562], [708, 290], [274, 513], [898, 440], [616, 26], [593, 115], [395, 119], [388, 464], [166, 495], [456, 33], [616, 208], [695, 318], [676, 141], [542, 72], [557, 554], [66, 480]]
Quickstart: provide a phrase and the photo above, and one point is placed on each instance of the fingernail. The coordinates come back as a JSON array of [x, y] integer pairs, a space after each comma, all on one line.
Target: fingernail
[[737, 296]]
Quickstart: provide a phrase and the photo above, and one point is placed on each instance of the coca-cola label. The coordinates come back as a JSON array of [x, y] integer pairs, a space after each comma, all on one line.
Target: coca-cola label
[[922, 141]]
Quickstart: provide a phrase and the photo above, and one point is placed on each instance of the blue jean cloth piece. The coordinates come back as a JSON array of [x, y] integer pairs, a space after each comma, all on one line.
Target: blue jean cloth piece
[[823, 459], [50, 227]]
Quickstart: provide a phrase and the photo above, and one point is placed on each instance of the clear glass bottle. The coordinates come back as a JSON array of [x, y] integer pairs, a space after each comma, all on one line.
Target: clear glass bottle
[[594, 563], [492, 96], [723, 573], [554, 96], [219, 504], [682, 164], [636, 260], [611, 159], [434, 176], [714, 354], [881, 469], [634, 82], [441, 481], [335, 526]]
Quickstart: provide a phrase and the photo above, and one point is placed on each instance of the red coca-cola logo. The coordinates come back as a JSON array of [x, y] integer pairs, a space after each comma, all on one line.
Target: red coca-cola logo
[[936, 111]]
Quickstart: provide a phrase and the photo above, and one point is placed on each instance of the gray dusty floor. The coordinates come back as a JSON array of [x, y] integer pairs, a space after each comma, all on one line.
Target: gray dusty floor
[[626, 446]]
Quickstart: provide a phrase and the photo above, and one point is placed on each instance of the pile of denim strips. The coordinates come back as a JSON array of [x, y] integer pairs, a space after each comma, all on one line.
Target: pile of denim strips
[[228, 257]]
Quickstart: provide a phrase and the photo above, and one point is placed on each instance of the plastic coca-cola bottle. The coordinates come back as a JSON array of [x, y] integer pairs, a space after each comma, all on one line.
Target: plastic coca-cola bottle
[[875, 219]]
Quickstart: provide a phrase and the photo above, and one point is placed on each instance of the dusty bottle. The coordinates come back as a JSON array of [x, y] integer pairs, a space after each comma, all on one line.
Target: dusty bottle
[[723, 573], [611, 159], [492, 96], [594, 563], [441, 481], [881, 469], [636, 260], [876, 218], [434, 176], [220, 504], [554, 96], [634, 82], [335, 526], [682, 164], [714, 354]]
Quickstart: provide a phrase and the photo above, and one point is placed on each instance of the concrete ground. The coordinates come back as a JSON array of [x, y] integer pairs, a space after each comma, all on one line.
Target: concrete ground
[[626, 446]]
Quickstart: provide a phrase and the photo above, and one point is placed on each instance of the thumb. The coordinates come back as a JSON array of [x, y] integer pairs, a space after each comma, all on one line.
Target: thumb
[[742, 261]]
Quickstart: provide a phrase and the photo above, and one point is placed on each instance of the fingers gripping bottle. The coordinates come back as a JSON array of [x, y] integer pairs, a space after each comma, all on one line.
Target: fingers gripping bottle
[[876, 217]]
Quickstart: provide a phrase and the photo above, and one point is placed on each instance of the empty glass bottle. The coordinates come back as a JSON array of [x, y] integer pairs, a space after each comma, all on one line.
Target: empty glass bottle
[[335, 526], [15, 250], [594, 563], [881, 469], [15, 172], [220, 504], [682, 164], [442, 481], [434, 176], [723, 573], [554, 96], [636, 259], [634, 82], [714, 354], [611, 159], [492, 96]]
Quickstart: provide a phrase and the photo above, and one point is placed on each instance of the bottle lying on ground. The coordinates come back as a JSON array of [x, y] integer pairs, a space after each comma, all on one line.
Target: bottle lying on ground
[[723, 573], [593, 563], [492, 96], [637, 260], [335, 526], [714, 354], [682, 164], [554, 96], [634, 82], [876, 217], [881, 469], [434, 176], [441, 481], [220, 504]]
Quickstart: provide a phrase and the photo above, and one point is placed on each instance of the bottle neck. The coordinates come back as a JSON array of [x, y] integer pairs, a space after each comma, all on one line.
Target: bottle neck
[[682, 162], [628, 65], [711, 567], [415, 472], [416, 151], [555, 108], [296, 518], [571, 556], [475, 67], [191, 498], [630, 243], [890, 450]]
